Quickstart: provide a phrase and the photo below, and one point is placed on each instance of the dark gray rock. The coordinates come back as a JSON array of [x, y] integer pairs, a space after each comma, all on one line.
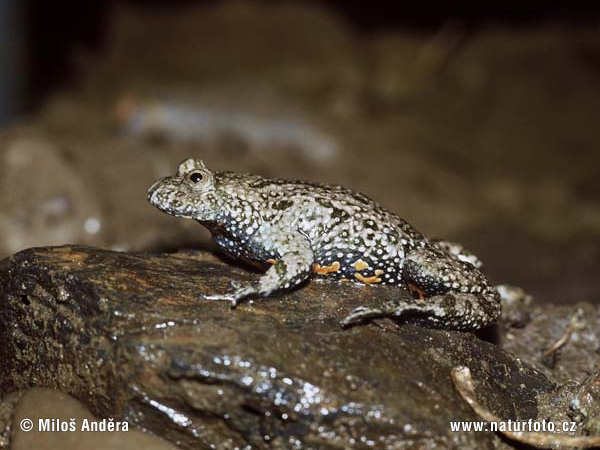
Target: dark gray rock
[[130, 336], [562, 341]]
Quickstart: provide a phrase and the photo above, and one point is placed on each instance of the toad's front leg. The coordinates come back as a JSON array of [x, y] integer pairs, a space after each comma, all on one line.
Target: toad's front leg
[[292, 268]]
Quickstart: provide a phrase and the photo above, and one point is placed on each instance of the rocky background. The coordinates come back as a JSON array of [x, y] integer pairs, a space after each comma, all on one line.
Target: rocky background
[[486, 135]]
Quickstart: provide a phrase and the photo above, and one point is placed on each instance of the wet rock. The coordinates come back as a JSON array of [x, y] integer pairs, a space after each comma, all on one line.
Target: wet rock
[[576, 403], [130, 336], [562, 341]]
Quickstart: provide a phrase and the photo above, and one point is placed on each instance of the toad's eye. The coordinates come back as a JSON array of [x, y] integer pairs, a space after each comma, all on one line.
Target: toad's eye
[[196, 177]]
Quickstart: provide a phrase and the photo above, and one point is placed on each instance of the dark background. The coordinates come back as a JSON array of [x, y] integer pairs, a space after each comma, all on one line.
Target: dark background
[[53, 30]]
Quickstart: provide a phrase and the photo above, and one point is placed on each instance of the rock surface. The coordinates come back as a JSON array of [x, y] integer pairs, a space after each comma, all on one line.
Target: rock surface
[[130, 336], [562, 341]]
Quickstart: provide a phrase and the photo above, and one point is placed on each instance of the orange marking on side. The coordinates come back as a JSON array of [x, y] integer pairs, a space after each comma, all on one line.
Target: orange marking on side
[[379, 272], [413, 289], [345, 280], [360, 265], [271, 261], [367, 280], [334, 267]]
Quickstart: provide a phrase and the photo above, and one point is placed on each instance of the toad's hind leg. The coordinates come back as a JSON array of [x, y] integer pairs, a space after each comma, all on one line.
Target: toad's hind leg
[[450, 294]]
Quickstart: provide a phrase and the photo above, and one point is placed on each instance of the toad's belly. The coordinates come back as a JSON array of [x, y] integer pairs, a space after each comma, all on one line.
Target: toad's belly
[[360, 269]]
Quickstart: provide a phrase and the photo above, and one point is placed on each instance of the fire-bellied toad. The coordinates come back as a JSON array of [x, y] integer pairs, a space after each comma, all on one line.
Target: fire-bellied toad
[[303, 228]]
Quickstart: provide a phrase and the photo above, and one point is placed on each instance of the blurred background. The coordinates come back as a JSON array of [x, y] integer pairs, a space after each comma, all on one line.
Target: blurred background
[[478, 124]]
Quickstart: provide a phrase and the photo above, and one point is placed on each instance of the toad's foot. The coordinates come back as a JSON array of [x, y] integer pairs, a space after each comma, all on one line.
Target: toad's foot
[[362, 314], [239, 293]]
